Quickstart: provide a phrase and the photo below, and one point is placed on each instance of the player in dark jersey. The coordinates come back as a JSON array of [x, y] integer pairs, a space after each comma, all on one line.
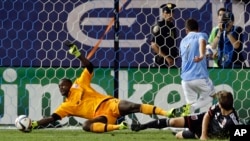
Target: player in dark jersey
[[163, 41], [215, 123]]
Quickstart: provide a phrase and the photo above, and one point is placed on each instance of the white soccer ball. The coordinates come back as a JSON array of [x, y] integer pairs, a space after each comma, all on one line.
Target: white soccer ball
[[156, 29], [210, 51], [23, 123]]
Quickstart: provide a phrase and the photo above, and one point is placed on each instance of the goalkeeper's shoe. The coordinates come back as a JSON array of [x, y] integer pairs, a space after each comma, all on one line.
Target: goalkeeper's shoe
[[186, 110], [171, 113], [123, 125]]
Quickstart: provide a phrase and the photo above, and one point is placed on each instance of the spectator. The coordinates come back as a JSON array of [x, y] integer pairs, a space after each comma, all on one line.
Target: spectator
[[213, 34], [163, 42], [229, 41]]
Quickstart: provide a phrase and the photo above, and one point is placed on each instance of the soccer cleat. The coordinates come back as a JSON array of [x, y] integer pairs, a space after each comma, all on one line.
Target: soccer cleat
[[186, 110], [136, 127], [171, 113], [123, 125]]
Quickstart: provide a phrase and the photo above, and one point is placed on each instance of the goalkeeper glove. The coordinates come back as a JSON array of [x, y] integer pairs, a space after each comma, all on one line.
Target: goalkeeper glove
[[34, 124], [73, 50]]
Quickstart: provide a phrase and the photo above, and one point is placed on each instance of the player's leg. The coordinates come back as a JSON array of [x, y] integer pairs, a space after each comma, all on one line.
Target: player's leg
[[191, 96], [193, 126], [198, 94], [206, 90], [95, 125], [178, 122], [189, 91], [99, 125], [127, 107], [185, 134], [105, 118]]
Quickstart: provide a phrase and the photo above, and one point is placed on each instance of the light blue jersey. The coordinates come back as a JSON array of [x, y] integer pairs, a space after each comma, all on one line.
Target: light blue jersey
[[189, 48]]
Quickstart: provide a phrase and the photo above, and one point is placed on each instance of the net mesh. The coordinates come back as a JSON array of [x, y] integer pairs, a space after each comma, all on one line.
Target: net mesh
[[34, 57]]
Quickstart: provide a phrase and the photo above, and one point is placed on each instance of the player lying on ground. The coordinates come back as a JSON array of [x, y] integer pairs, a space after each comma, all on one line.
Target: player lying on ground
[[212, 124], [102, 111]]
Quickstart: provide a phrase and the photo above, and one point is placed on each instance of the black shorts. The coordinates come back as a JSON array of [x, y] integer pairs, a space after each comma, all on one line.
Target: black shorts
[[194, 123]]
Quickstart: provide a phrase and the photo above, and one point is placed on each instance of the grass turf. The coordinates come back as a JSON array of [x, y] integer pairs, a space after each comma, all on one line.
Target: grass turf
[[80, 135]]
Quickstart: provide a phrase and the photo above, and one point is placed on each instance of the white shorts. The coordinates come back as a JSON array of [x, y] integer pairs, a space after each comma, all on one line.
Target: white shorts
[[198, 88]]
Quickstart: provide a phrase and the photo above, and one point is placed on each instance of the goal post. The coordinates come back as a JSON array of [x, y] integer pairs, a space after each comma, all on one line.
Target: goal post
[[34, 58]]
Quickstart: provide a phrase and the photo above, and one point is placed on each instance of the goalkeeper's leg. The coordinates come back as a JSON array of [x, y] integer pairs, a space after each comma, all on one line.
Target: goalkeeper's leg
[[100, 125], [127, 107]]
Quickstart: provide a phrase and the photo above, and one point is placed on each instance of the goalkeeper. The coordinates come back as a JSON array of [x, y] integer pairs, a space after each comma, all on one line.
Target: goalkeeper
[[102, 111], [215, 123]]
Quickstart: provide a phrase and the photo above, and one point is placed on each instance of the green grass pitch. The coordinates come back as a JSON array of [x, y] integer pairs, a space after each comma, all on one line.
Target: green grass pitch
[[80, 135]]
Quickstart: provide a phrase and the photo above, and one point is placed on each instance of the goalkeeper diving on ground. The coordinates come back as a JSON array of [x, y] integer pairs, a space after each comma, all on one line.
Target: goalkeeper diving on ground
[[101, 111]]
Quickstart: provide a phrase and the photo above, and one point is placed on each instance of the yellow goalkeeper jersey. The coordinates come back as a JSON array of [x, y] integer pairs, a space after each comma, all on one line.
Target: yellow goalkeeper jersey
[[82, 100]]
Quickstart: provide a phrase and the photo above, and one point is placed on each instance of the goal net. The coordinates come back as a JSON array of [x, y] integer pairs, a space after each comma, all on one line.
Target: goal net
[[34, 57]]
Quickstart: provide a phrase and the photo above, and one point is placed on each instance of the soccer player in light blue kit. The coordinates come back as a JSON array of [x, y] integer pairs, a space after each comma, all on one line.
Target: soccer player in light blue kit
[[197, 86]]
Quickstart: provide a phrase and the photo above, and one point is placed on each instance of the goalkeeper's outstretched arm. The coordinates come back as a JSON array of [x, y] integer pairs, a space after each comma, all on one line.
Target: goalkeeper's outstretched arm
[[45, 121], [73, 50]]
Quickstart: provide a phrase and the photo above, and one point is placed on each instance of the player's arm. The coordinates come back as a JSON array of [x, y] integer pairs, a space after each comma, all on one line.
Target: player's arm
[[86, 63], [156, 49], [45, 121], [202, 50], [214, 42], [74, 51], [234, 37], [205, 122]]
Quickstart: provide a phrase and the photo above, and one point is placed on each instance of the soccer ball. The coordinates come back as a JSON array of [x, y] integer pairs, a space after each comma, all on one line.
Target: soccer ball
[[156, 29], [23, 123], [209, 51]]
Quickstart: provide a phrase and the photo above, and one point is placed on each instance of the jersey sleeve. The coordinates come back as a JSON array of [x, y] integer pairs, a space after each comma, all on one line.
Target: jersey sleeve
[[203, 36], [237, 34], [212, 110], [85, 78], [64, 110], [234, 117]]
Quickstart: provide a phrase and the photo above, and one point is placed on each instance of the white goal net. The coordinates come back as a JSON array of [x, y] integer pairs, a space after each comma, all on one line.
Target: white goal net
[[34, 58]]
